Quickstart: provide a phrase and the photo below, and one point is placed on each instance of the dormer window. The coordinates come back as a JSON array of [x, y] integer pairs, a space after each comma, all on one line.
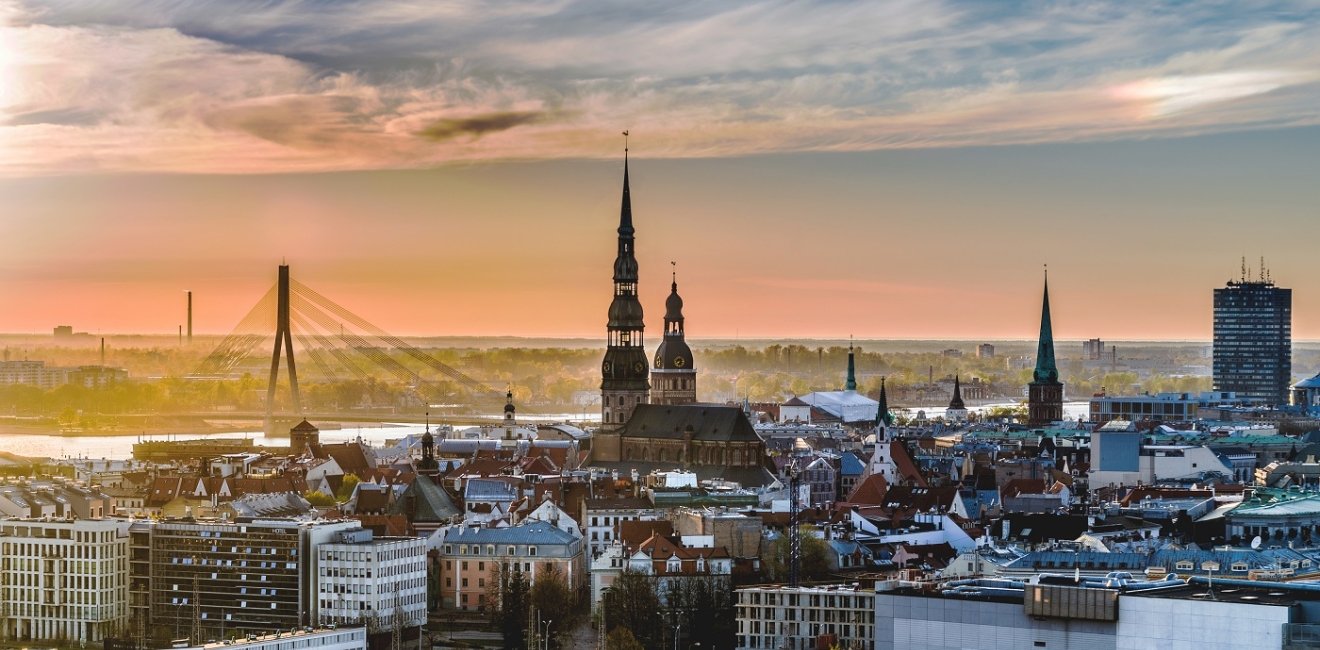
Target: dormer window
[[1184, 565]]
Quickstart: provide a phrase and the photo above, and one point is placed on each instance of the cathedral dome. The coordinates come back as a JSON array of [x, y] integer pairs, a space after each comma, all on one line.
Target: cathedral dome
[[673, 354]]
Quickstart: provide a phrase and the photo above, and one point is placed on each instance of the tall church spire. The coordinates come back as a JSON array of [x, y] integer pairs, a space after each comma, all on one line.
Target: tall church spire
[[851, 382], [957, 401], [625, 208], [882, 416], [1045, 393], [624, 371], [1046, 370]]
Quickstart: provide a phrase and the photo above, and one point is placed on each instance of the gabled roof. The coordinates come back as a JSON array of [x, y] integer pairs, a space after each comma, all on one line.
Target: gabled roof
[[870, 491], [907, 468], [850, 464], [700, 421], [920, 499], [1019, 486], [537, 532], [427, 502], [633, 533]]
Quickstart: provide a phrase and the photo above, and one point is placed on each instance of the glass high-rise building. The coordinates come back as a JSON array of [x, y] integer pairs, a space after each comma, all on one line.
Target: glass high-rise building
[[1253, 340]]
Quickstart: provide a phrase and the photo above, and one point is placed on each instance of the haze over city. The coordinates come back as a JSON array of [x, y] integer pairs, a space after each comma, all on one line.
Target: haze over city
[[894, 171]]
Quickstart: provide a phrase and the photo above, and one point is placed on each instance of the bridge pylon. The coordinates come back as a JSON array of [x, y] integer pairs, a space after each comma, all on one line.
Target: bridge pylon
[[283, 337]]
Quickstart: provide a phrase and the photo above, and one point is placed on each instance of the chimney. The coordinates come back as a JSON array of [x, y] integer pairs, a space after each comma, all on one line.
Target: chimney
[[190, 316]]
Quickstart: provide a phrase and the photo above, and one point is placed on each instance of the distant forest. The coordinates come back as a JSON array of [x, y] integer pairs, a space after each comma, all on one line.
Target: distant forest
[[565, 378]]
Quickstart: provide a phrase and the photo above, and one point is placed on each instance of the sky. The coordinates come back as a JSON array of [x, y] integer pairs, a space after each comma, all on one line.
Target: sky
[[814, 169]]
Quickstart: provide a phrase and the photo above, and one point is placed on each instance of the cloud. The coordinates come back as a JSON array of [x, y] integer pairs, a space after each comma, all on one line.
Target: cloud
[[479, 125], [303, 86]]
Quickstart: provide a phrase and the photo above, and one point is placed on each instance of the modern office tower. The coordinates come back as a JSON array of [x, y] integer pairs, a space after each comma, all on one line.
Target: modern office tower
[[1253, 340], [64, 580]]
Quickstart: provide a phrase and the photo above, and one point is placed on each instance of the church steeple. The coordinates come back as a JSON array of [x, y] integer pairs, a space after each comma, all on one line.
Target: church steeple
[[1046, 369], [957, 401], [850, 383], [624, 372], [674, 378], [1045, 392], [882, 416]]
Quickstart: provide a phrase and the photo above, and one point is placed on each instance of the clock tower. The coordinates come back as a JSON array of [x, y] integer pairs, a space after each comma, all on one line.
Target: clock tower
[[673, 377], [624, 371]]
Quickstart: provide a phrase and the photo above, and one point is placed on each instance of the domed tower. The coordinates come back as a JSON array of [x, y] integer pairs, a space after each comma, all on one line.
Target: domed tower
[[624, 373], [428, 465], [674, 376]]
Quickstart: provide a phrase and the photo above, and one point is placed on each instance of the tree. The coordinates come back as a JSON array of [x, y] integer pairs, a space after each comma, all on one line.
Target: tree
[[556, 602], [622, 639], [346, 488], [813, 563], [319, 499], [509, 602], [633, 605]]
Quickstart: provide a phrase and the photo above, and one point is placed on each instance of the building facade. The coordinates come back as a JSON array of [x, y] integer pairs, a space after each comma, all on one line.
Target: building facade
[[796, 617], [63, 580], [469, 556], [209, 577], [379, 582], [1253, 340]]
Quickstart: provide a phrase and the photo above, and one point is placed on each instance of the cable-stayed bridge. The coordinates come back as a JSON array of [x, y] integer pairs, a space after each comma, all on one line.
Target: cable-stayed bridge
[[340, 345]]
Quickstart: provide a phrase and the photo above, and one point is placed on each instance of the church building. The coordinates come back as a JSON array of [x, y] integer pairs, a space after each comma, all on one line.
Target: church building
[[650, 417]]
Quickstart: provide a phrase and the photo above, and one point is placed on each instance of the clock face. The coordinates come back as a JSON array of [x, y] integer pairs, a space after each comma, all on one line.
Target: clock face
[[605, 367], [658, 360], [639, 367], [679, 362]]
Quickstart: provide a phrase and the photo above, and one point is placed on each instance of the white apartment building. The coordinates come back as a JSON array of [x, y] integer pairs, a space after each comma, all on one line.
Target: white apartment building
[[350, 638], [362, 579], [601, 518], [795, 617], [63, 580]]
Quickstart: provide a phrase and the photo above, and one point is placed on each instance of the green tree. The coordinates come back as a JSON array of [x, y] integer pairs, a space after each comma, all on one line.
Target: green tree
[[813, 564], [346, 487], [634, 606], [319, 499], [622, 639], [556, 602], [509, 602]]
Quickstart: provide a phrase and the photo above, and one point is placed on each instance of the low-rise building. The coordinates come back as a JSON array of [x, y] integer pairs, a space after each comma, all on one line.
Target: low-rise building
[[774, 616], [469, 555]]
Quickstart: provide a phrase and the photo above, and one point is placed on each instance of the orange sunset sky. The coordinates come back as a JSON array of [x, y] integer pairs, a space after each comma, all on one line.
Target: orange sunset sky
[[892, 171]]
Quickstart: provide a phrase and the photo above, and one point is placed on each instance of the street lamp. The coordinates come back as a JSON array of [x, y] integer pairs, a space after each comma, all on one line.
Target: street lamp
[[545, 636]]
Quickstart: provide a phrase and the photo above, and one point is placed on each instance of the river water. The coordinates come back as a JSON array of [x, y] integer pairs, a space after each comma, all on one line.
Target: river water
[[54, 446]]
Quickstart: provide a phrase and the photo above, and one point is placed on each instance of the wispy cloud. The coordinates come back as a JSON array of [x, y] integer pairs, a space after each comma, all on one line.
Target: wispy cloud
[[249, 86]]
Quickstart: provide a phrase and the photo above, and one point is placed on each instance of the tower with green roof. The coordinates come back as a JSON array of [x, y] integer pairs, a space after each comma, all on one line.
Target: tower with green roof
[[1045, 392]]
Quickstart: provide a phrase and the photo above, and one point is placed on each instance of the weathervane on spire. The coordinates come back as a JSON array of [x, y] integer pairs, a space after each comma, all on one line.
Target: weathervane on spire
[[673, 272], [625, 143]]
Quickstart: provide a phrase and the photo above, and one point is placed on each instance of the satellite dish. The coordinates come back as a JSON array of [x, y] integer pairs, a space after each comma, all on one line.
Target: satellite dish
[[1255, 542]]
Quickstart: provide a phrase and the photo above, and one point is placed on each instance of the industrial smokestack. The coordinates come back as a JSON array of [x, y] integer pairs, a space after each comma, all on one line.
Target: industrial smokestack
[[190, 317], [102, 351], [180, 335]]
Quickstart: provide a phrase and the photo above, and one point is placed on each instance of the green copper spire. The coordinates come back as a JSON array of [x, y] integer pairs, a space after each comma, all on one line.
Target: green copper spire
[[883, 418], [851, 383], [1046, 371]]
